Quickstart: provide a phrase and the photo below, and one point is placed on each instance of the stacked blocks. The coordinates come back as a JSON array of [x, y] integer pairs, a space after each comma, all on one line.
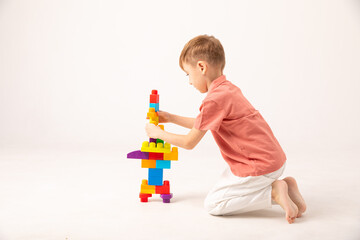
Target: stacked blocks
[[155, 176], [156, 155]]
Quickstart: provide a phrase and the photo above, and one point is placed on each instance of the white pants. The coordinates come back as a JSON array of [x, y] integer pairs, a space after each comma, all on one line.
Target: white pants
[[234, 195]]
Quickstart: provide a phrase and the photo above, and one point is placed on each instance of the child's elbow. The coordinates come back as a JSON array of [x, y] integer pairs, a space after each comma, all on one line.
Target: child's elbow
[[189, 145]]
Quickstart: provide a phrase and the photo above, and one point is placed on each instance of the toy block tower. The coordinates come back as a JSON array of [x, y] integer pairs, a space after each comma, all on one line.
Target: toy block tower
[[156, 156]]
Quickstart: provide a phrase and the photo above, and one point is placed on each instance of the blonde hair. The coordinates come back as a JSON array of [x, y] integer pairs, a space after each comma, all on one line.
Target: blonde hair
[[203, 47]]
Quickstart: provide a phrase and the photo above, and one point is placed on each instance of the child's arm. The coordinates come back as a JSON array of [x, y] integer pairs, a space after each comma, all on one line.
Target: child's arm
[[188, 141], [181, 121]]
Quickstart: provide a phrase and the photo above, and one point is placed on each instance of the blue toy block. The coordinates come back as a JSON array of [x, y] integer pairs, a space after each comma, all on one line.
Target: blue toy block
[[155, 176], [155, 105], [163, 164], [155, 180]]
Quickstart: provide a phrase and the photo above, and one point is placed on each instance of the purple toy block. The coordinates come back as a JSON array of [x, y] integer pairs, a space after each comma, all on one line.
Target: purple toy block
[[166, 197], [152, 140], [138, 155]]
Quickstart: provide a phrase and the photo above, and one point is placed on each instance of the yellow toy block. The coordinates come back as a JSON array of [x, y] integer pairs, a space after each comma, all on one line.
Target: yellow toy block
[[145, 188], [157, 148], [173, 155], [146, 163], [152, 113], [153, 116], [154, 122]]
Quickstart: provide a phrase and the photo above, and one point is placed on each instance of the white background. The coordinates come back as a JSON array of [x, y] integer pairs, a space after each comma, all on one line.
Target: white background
[[75, 78]]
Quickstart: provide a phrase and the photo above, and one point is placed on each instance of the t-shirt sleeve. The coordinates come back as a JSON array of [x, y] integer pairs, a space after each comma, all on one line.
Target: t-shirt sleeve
[[210, 117]]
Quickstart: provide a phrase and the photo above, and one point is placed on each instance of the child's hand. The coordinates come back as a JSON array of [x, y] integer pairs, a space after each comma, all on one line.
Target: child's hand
[[164, 117], [152, 131]]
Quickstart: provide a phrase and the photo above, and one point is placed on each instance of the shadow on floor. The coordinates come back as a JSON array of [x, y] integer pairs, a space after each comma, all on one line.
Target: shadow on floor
[[195, 198], [274, 213]]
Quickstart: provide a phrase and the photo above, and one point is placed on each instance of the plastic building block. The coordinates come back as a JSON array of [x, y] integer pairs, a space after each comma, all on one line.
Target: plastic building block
[[155, 172], [159, 140], [166, 197], [151, 113], [164, 189], [164, 164], [145, 163], [154, 105], [154, 96], [144, 197], [138, 155], [153, 116], [154, 122], [155, 176], [173, 155], [157, 148], [147, 188], [145, 154], [156, 156], [155, 181]]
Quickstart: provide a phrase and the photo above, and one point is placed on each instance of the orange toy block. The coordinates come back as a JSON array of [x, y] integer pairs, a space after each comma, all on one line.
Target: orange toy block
[[173, 155], [145, 188], [146, 163], [164, 189]]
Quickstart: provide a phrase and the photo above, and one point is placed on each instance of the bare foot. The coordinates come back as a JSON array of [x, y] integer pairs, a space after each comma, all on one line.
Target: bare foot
[[280, 195], [295, 195]]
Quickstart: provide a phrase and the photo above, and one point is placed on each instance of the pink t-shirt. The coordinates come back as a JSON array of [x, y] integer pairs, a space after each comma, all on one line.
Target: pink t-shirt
[[245, 140]]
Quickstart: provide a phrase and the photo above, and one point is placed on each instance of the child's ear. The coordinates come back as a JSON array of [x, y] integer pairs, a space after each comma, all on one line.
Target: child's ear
[[202, 66]]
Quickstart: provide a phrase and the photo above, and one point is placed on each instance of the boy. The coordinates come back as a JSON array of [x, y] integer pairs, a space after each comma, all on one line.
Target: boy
[[246, 142]]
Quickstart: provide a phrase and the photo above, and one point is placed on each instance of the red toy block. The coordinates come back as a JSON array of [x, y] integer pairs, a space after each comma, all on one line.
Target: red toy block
[[144, 197], [164, 189], [154, 96], [156, 156]]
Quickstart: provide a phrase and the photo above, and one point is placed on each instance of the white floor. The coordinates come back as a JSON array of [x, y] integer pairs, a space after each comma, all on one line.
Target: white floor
[[88, 194]]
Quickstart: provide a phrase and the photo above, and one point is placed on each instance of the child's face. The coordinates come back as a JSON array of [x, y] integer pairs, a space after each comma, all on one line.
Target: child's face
[[196, 77]]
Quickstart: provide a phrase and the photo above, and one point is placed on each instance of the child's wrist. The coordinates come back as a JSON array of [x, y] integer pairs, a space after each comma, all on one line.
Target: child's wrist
[[160, 134], [170, 118]]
